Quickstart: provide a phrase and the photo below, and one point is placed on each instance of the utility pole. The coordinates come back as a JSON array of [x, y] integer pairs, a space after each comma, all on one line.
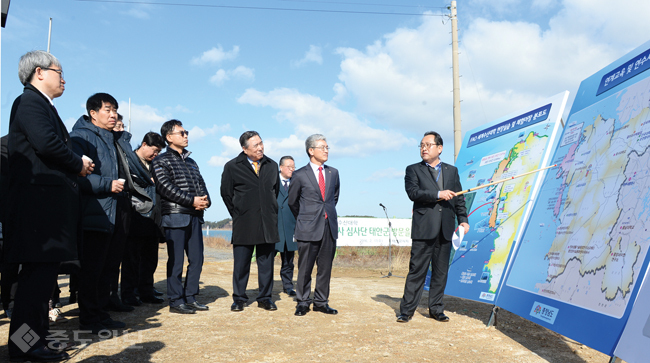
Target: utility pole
[[458, 135], [49, 36]]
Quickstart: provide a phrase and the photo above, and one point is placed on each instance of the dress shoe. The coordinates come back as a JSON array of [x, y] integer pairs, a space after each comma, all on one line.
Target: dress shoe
[[182, 309], [301, 310], [196, 306], [290, 292], [157, 293], [439, 317], [42, 354], [325, 309], [113, 324], [403, 318], [94, 328], [152, 299], [267, 305], [132, 301], [237, 306]]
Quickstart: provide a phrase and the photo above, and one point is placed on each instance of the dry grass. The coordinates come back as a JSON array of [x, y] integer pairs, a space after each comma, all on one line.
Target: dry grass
[[346, 256]]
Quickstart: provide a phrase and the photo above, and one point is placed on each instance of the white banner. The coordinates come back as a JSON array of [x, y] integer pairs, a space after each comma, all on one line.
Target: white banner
[[373, 232]]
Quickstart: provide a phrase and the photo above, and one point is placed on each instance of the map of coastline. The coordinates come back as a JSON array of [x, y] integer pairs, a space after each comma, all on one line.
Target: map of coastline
[[588, 236]]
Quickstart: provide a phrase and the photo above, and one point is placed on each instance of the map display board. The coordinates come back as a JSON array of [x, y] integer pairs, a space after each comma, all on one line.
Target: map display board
[[584, 249], [510, 146]]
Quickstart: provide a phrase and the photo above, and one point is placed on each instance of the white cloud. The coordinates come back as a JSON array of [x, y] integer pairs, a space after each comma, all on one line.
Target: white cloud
[[404, 80], [197, 133], [388, 173], [216, 55], [313, 55], [241, 72], [231, 149], [346, 133], [140, 11], [144, 118]]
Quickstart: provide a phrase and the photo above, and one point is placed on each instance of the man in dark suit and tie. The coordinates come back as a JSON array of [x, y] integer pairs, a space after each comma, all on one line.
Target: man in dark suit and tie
[[42, 206], [286, 225], [432, 186], [313, 195], [250, 185]]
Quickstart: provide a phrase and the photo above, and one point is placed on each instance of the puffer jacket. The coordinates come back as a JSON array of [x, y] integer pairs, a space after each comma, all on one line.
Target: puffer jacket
[[178, 181], [99, 204]]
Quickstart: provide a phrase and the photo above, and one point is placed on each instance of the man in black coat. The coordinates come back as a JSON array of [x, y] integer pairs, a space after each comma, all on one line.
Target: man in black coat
[[184, 197], [432, 186], [249, 188], [42, 227], [313, 195]]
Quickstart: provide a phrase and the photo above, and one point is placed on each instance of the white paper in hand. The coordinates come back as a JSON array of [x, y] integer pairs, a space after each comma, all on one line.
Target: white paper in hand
[[457, 239]]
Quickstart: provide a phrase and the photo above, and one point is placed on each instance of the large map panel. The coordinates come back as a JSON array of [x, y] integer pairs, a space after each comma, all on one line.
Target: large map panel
[[496, 213], [584, 248]]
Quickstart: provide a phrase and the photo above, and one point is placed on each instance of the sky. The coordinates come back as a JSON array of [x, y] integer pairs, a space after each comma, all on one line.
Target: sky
[[371, 75]]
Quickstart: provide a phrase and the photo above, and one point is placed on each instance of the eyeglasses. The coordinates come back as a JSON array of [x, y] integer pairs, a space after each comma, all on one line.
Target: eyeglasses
[[426, 145], [181, 133], [59, 71], [322, 148], [292, 168]]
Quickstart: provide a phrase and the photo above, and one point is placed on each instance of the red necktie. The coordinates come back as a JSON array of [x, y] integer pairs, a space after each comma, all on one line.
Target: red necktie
[[321, 184], [321, 181]]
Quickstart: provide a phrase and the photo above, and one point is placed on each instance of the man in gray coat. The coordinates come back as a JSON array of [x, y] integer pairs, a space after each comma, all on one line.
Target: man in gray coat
[[313, 195], [286, 225]]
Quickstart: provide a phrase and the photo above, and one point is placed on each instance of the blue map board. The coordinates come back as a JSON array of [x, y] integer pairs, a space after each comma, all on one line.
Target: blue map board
[[515, 144], [584, 249]]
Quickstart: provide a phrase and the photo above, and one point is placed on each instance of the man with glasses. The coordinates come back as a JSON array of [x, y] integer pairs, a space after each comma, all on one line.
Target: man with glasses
[[42, 205], [249, 188], [313, 195], [432, 186], [184, 199], [286, 225], [141, 252]]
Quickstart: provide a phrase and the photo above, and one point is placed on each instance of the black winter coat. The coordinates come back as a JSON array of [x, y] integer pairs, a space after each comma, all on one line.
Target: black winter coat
[[43, 202], [178, 180], [251, 200]]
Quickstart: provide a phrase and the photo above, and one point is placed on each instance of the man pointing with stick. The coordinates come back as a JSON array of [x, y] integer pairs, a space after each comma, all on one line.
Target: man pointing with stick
[[432, 186]]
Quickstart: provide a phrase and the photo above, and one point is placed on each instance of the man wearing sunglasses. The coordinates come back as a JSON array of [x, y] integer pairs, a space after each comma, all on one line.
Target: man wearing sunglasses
[[184, 198]]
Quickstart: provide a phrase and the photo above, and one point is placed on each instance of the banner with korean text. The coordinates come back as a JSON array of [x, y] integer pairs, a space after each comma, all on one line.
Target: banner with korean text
[[368, 232]]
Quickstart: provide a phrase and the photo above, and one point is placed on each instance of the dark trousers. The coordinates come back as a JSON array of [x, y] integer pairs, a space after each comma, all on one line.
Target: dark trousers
[[8, 284], [121, 232], [322, 253], [138, 266], [242, 255], [101, 255], [180, 241], [30, 316], [435, 251], [286, 271]]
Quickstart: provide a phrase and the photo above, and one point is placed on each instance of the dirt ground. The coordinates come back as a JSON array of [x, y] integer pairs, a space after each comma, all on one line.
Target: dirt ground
[[364, 330]]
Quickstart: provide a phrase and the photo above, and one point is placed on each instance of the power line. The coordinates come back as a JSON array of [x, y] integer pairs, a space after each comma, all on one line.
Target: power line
[[261, 8], [363, 4]]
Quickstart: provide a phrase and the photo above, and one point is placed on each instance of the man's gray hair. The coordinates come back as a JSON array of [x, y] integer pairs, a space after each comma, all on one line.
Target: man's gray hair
[[32, 60], [310, 143]]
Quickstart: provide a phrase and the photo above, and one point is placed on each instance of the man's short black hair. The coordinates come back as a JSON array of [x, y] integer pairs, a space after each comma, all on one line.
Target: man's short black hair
[[282, 159], [243, 139], [154, 139], [168, 127], [96, 101], [436, 136]]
